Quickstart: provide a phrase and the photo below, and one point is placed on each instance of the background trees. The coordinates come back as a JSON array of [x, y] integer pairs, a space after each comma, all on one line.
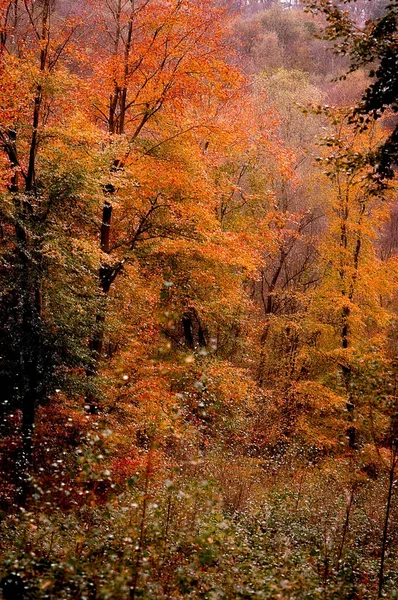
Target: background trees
[[372, 46]]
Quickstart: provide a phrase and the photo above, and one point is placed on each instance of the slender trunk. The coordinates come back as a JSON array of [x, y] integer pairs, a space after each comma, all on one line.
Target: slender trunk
[[113, 102], [12, 8], [123, 95], [201, 336], [141, 539], [346, 372], [268, 303], [386, 520], [114, 98], [116, 124], [326, 559], [30, 179], [168, 518], [106, 227], [30, 353], [345, 528], [97, 341], [263, 354], [348, 292], [188, 331], [13, 157], [31, 302]]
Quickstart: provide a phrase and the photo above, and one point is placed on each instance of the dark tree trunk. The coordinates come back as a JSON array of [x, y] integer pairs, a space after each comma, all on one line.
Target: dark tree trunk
[[106, 227], [31, 355], [386, 520], [188, 329], [107, 272], [201, 336], [105, 280]]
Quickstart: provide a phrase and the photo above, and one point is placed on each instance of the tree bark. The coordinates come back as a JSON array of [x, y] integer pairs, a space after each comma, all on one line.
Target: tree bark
[[31, 340], [107, 273], [105, 281], [386, 520]]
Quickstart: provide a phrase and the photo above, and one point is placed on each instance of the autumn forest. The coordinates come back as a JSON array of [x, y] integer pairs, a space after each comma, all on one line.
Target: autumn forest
[[198, 299]]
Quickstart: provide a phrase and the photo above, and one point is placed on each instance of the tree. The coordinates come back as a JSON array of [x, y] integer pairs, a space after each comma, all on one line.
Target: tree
[[36, 132], [159, 73], [373, 46], [175, 105], [354, 278]]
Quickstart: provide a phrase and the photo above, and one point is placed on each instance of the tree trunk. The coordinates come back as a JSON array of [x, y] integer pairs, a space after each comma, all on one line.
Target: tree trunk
[[188, 330], [386, 520], [345, 528], [107, 274], [105, 280], [31, 350]]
